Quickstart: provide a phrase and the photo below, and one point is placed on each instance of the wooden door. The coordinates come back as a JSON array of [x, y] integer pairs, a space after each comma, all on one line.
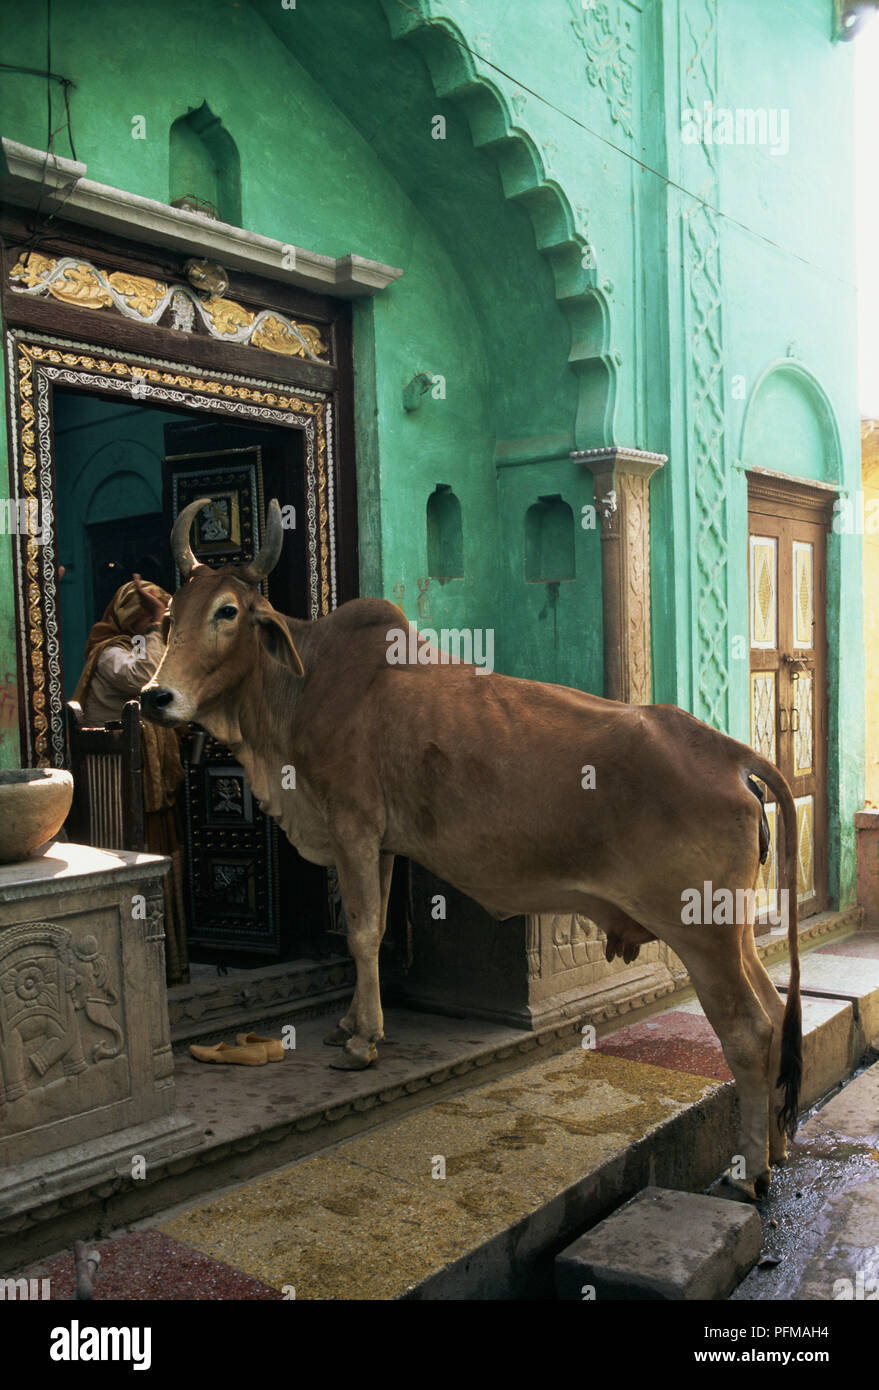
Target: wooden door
[[249, 892], [788, 671], [124, 546]]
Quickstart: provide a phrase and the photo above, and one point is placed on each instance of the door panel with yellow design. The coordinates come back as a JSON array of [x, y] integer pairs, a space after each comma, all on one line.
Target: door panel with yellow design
[[788, 682]]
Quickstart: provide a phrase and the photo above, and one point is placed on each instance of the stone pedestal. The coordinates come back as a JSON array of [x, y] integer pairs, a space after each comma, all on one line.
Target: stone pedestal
[[86, 1070], [527, 972]]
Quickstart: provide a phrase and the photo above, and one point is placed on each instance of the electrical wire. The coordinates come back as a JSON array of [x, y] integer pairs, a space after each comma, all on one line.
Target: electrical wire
[[38, 229], [627, 154]]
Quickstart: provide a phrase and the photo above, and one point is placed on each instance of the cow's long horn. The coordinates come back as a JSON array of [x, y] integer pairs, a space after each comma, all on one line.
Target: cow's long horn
[[269, 554], [181, 548]]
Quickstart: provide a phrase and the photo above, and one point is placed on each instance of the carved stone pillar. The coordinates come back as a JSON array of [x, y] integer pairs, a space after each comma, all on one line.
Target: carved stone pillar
[[622, 498]]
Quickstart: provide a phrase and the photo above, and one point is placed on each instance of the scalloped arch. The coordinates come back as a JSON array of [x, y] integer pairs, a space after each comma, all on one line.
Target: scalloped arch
[[789, 416], [454, 75]]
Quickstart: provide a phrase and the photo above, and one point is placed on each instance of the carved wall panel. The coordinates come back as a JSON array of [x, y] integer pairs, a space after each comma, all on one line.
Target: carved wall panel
[[62, 1040], [85, 1050], [704, 370]]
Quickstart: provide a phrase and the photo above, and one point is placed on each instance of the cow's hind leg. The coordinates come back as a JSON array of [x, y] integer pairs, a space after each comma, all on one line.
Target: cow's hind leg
[[364, 880], [772, 1003], [347, 1026], [712, 955]]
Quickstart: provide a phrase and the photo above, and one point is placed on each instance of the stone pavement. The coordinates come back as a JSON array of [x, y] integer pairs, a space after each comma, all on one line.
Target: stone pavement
[[473, 1195], [825, 1243]]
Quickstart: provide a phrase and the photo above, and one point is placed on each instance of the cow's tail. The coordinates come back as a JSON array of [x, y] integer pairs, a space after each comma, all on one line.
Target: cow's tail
[[791, 1069]]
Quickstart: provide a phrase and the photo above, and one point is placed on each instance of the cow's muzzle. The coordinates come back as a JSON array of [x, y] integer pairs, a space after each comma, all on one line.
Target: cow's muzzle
[[156, 705]]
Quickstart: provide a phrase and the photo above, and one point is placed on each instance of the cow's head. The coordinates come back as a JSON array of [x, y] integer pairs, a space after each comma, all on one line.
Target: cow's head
[[218, 631]]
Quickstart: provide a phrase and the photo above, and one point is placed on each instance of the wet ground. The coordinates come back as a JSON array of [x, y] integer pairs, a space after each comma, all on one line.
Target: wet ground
[[821, 1217]]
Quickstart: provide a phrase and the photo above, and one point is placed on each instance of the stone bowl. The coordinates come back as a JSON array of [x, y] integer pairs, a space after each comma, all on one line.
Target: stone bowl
[[34, 802]]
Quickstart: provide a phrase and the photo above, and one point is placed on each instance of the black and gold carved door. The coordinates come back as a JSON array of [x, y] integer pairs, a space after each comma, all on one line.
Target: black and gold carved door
[[248, 892]]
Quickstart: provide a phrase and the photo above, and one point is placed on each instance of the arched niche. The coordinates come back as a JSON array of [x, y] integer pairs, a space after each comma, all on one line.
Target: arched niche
[[549, 541], [122, 494], [790, 426], [445, 535], [204, 165]]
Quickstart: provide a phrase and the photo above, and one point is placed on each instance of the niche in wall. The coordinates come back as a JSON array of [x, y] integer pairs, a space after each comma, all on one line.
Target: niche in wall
[[549, 541], [445, 535], [205, 170]]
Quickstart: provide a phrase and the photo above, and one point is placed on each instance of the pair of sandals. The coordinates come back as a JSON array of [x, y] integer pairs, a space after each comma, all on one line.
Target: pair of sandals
[[250, 1050]]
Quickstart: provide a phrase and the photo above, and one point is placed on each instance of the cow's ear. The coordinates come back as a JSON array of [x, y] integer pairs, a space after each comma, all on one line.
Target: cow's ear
[[272, 631]]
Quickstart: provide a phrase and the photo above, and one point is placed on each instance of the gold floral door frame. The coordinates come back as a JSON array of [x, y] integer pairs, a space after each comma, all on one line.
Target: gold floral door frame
[[38, 363]]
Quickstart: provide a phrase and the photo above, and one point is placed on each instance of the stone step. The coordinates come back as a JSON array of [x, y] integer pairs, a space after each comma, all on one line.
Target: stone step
[[663, 1245], [610, 1120], [843, 970], [214, 1007]]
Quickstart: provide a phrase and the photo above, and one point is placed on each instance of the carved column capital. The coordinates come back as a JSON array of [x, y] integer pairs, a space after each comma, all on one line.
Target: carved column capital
[[622, 498]]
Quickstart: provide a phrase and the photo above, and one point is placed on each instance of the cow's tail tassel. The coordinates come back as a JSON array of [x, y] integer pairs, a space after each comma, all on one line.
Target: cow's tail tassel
[[791, 1070]]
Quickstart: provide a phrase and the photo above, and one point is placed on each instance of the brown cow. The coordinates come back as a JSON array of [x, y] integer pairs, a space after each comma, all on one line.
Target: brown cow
[[478, 777]]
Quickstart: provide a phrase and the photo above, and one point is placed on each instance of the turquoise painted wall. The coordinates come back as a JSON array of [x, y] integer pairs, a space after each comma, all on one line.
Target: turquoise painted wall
[[108, 461], [576, 270]]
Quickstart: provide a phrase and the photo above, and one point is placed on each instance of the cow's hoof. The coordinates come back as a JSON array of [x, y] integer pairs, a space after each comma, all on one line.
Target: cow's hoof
[[737, 1190], [338, 1037], [350, 1059]]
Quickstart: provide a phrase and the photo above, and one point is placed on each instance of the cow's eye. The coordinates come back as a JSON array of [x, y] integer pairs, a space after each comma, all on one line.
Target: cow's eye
[[227, 612]]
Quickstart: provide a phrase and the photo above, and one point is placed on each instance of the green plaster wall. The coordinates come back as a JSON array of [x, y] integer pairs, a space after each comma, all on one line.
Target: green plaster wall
[[577, 273]]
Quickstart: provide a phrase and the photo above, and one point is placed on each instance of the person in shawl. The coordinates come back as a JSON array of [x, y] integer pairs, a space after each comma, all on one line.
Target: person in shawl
[[116, 669]]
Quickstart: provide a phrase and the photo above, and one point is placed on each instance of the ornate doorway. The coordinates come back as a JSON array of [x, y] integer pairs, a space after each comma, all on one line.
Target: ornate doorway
[[273, 407]]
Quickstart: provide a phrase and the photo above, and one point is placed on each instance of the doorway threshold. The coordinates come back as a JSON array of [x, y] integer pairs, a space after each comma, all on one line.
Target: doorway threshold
[[212, 1007]]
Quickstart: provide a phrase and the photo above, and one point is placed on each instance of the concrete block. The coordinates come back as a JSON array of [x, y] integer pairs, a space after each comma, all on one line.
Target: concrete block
[[663, 1245]]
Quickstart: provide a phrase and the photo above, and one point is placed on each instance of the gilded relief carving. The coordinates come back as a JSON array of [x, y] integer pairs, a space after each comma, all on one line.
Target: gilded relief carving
[[32, 269], [51, 989], [140, 294], [80, 285], [226, 316], [137, 296]]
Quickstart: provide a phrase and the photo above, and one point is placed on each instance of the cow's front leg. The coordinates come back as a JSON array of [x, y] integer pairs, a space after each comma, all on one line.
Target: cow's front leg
[[364, 880]]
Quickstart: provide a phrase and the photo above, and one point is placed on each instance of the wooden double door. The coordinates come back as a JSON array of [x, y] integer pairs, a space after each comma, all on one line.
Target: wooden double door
[[787, 531]]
